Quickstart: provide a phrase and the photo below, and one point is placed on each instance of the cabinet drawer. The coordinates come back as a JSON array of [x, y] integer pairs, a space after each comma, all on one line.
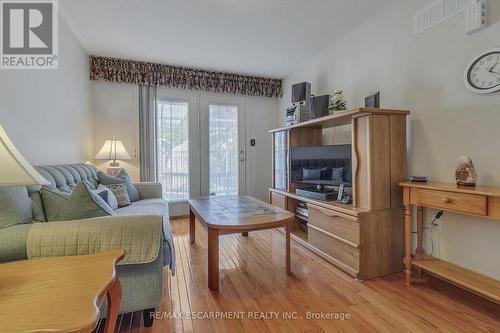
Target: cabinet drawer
[[339, 250], [344, 226], [278, 200], [460, 202]]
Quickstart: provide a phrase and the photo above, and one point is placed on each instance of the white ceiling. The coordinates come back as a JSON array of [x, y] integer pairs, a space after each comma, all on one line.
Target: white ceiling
[[258, 37]]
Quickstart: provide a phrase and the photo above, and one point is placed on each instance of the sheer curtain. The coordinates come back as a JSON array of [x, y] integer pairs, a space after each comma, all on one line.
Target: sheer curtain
[[148, 99]]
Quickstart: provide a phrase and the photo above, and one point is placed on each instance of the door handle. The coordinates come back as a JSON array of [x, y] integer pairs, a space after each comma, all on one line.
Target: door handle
[[242, 159]]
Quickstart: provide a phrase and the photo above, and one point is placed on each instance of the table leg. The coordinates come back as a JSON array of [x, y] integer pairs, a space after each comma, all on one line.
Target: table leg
[[213, 259], [407, 258], [420, 232], [287, 240], [419, 251], [192, 226], [244, 234], [114, 296]]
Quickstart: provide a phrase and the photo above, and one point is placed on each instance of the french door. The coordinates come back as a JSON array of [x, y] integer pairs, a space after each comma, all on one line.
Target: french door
[[223, 152], [200, 146]]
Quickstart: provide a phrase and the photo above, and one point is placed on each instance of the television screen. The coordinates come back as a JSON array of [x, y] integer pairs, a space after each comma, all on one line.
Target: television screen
[[321, 165]]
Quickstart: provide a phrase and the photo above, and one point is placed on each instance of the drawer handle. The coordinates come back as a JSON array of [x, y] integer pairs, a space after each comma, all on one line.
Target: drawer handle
[[446, 200]]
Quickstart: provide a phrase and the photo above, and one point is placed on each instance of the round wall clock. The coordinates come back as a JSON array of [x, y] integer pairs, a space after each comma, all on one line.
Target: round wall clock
[[482, 75]]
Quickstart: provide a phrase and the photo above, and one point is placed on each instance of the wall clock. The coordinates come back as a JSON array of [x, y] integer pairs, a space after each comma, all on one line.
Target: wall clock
[[482, 75]]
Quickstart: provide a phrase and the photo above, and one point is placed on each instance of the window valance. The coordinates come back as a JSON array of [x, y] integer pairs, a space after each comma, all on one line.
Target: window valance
[[151, 74]]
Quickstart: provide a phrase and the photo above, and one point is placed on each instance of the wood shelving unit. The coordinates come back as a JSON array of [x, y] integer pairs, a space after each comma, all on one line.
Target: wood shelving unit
[[365, 238]]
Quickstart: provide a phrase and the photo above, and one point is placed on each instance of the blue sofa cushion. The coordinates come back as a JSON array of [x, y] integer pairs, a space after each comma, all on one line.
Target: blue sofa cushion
[[15, 206], [13, 242]]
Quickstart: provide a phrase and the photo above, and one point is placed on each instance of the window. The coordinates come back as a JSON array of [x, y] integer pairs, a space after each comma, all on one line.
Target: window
[[173, 149]]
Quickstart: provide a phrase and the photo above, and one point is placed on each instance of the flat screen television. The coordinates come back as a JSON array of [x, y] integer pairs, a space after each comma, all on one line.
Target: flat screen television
[[321, 165]]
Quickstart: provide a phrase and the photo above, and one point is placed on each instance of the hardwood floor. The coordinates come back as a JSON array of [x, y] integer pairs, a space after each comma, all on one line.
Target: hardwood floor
[[253, 281]]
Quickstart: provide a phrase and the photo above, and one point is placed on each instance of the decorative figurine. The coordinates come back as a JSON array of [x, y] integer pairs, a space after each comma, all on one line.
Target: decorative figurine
[[465, 174], [337, 102]]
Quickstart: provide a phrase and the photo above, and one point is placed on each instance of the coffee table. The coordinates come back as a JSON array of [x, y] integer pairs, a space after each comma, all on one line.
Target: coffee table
[[59, 294], [222, 215]]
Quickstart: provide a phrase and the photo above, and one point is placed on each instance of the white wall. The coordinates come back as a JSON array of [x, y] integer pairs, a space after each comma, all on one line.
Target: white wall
[[423, 73], [116, 112], [46, 113], [261, 117]]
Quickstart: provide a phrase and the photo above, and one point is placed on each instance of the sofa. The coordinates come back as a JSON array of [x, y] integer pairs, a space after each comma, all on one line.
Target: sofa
[[141, 281]]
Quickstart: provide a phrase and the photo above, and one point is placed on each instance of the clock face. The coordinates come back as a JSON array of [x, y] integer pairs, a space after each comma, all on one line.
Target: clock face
[[483, 74]]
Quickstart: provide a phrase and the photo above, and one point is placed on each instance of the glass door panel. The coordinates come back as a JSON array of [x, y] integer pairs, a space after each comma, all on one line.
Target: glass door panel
[[222, 143], [281, 160], [173, 149], [178, 148], [223, 149]]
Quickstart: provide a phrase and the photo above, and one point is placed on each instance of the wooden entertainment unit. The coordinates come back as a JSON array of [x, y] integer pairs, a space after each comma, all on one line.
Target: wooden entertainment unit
[[365, 238]]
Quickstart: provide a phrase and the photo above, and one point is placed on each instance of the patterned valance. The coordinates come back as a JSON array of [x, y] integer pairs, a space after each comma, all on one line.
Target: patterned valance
[[151, 74]]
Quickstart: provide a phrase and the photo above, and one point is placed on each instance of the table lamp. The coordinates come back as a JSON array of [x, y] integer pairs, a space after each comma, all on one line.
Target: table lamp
[[14, 169], [113, 149]]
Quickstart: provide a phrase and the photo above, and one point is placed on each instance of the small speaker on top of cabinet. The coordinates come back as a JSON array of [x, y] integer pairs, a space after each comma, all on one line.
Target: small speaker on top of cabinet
[[373, 101], [319, 106], [301, 92]]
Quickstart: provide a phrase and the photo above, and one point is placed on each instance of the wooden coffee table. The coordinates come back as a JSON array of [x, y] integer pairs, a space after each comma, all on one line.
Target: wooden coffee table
[[59, 294], [222, 215]]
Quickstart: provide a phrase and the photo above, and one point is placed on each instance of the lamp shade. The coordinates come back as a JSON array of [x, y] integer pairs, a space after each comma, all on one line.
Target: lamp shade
[[14, 169], [113, 149]]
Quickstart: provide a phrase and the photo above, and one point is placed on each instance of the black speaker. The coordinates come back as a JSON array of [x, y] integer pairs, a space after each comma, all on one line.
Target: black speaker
[[373, 101], [319, 106], [301, 92]]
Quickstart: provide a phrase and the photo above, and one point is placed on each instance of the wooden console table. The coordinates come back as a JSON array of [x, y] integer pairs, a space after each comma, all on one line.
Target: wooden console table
[[481, 201]]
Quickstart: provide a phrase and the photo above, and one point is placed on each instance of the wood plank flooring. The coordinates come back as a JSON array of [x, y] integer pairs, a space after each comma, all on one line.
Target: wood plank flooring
[[253, 282]]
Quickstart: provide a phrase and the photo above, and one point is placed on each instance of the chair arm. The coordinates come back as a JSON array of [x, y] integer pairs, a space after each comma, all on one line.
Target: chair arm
[[138, 235], [149, 190]]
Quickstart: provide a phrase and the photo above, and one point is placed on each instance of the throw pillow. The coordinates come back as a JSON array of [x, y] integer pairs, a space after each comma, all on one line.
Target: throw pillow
[[15, 206], [121, 194], [53, 200], [111, 198], [102, 193], [122, 178], [82, 203]]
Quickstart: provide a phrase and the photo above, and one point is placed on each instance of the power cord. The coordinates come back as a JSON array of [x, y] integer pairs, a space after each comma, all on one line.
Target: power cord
[[432, 226]]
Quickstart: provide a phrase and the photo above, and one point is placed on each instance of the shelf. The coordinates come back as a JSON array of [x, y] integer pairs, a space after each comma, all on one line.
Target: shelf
[[301, 217], [340, 207], [341, 118], [467, 279]]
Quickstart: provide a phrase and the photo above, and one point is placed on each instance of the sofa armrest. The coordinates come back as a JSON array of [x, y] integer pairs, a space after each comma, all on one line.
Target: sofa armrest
[[139, 235], [149, 190]]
